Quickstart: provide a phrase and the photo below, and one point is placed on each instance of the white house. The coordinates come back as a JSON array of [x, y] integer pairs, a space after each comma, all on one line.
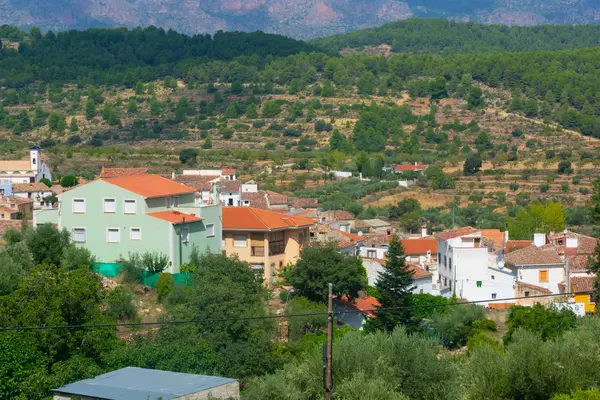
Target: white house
[[463, 264], [37, 192], [25, 171], [541, 266], [422, 279]]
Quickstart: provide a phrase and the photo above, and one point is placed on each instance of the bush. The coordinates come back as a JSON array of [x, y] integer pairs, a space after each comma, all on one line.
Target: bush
[[517, 133], [164, 285], [154, 263], [132, 271], [576, 180], [550, 154], [73, 140], [46, 143], [481, 339], [300, 326], [514, 186], [46, 182], [188, 155], [119, 303], [69, 181], [545, 322], [564, 187], [584, 191], [544, 187], [457, 325], [564, 167], [283, 295]]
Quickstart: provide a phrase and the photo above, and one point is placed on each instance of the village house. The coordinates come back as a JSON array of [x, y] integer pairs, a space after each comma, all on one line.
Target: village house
[[347, 243], [373, 225], [267, 240], [422, 251], [422, 279], [149, 384], [37, 192], [400, 168], [113, 217], [338, 219], [29, 170], [22, 206], [356, 312]]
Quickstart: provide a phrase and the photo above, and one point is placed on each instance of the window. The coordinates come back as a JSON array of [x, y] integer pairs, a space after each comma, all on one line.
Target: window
[[135, 233], [276, 243], [493, 277], [239, 240], [494, 295], [33, 160], [526, 294], [479, 283], [78, 235], [450, 264], [210, 230], [168, 202], [78, 206], [129, 207], [544, 275], [174, 201], [113, 235], [439, 257], [371, 254], [257, 243], [110, 206], [185, 235], [445, 262]]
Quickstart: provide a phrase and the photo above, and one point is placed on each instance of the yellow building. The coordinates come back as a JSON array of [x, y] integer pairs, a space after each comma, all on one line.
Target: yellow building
[[584, 284], [267, 240]]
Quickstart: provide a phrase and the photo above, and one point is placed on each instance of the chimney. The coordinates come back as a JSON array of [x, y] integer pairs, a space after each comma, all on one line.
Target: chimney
[[539, 239], [572, 243], [423, 230], [173, 175], [505, 237]]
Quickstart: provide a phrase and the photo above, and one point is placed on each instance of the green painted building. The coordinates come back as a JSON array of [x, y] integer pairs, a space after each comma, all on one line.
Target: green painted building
[[113, 217]]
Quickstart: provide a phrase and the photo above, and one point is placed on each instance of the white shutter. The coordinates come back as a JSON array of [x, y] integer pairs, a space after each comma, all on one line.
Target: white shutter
[[113, 235], [78, 206], [135, 234], [210, 230], [110, 206], [78, 235], [130, 207], [239, 241]]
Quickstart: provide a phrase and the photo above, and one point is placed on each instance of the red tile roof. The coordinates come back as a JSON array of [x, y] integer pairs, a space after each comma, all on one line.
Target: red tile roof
[[228, 171], [582, 283], [229, 186], [250, 218], [419, 272], [366, 305], [411, 167], [531, 286], [30, 187], [495, 237], [198, 182], [517, 244], [175, 217], [533, 255], [119, 172], [5, 225], [298, 202], [256, 199], [414, 247], [458, 232], [150, 186]]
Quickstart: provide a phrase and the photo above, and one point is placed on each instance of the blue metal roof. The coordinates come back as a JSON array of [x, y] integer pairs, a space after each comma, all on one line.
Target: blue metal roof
[[133, 383], [36, 147]]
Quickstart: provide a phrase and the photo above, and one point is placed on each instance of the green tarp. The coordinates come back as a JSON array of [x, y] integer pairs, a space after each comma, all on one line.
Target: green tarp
[[112, 270]]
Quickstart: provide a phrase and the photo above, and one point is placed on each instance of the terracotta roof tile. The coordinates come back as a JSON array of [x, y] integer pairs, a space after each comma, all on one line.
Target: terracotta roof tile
[[198, 182], [297, 202], [533, 255], [30, 187], [413, 247], [276, 198], [458, 232], [517, 244], [582, 283], [419, 273], [175, 217], [119, 172], [256, 199], [150, 186], [411, 167], [366, 305], [5, 225], [376, 239], [531, 286], [250, 218], [230, 186], [15, 165], [495, 237], [228, 171]]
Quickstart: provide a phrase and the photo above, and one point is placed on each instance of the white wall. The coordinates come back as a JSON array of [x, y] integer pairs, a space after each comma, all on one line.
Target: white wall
[[249, 188], [423, 285], [380, 252], [373, 268], [500, 282], [202, 172], [43, 172], [226, 196], [531, 275]]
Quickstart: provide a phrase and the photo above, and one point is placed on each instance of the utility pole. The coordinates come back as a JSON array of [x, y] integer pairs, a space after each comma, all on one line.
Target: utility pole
[[329, 350]]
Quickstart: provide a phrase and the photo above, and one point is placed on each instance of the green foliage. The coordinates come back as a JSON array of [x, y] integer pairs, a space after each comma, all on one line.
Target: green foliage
[[455, 326], [472, 164], [564, 167], [46, 182], [69, 181], [395, 285], [595, 200], [537, 218], [188, 156], [298, 327], [546, 322], [580, 395], [119, 303], [164, 285], [271, 109], [322, 264], [438, 179]]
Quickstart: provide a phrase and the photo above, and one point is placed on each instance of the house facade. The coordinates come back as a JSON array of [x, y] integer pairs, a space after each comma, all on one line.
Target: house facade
[[24, 171], [37, 192], [267, 240], [136, 214], [540, 266]]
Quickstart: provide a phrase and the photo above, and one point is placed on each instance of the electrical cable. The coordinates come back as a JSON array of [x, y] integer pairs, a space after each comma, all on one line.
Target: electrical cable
[[323, 314]]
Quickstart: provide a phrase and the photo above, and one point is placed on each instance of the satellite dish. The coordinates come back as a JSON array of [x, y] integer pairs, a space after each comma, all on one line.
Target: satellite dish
[[500, 264], [360, 233]]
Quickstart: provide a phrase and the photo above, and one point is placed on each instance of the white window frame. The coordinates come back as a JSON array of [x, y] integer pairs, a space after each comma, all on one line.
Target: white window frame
[[184, 234], [104, 202], [77, 199], [108, 234], [125, 201], [131, 233], [211, 226], [84, 234], [235, 241]]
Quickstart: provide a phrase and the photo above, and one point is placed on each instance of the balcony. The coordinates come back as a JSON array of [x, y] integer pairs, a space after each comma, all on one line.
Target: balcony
[[258, 251]]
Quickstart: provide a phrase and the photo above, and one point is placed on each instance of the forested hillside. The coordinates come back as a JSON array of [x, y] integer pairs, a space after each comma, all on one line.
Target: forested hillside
[[447, 37]]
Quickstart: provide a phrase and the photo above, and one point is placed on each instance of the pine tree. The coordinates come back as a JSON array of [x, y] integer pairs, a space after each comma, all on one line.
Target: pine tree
[[394, 285]]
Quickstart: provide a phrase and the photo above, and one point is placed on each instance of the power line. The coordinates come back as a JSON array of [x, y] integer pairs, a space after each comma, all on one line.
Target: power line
[[276, 316]]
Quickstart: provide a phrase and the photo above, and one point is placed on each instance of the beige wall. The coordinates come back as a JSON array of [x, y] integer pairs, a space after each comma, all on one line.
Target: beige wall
[[294, 239], [228, 391]]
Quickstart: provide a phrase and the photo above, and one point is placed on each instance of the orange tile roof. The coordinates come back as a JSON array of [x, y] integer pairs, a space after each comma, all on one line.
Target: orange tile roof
[[418, 271], [150, 186], [582, 283], [250, 218], [413, 247], [366, 305], [458, 232], [517, 244], [228, 171], [175, 217], [119, 172], [495, 237], [417, 167], [533, 255]]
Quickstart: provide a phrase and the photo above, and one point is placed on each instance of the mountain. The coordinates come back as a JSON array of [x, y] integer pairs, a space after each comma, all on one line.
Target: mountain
[[296, 18]]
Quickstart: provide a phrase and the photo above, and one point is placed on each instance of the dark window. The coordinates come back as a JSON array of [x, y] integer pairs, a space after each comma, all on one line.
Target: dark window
[[450, 264], [526, 294], [493, 295], [276, 243]]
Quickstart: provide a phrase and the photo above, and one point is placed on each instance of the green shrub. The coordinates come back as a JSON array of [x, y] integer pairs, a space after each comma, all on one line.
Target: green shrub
[[164, 285], [132, 271], [300, 326], [155, 263], [584, 190], [69, 181], [283, 295], [119, 303], [544, 187], [481, 339], [456, 325], [514, 186]]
